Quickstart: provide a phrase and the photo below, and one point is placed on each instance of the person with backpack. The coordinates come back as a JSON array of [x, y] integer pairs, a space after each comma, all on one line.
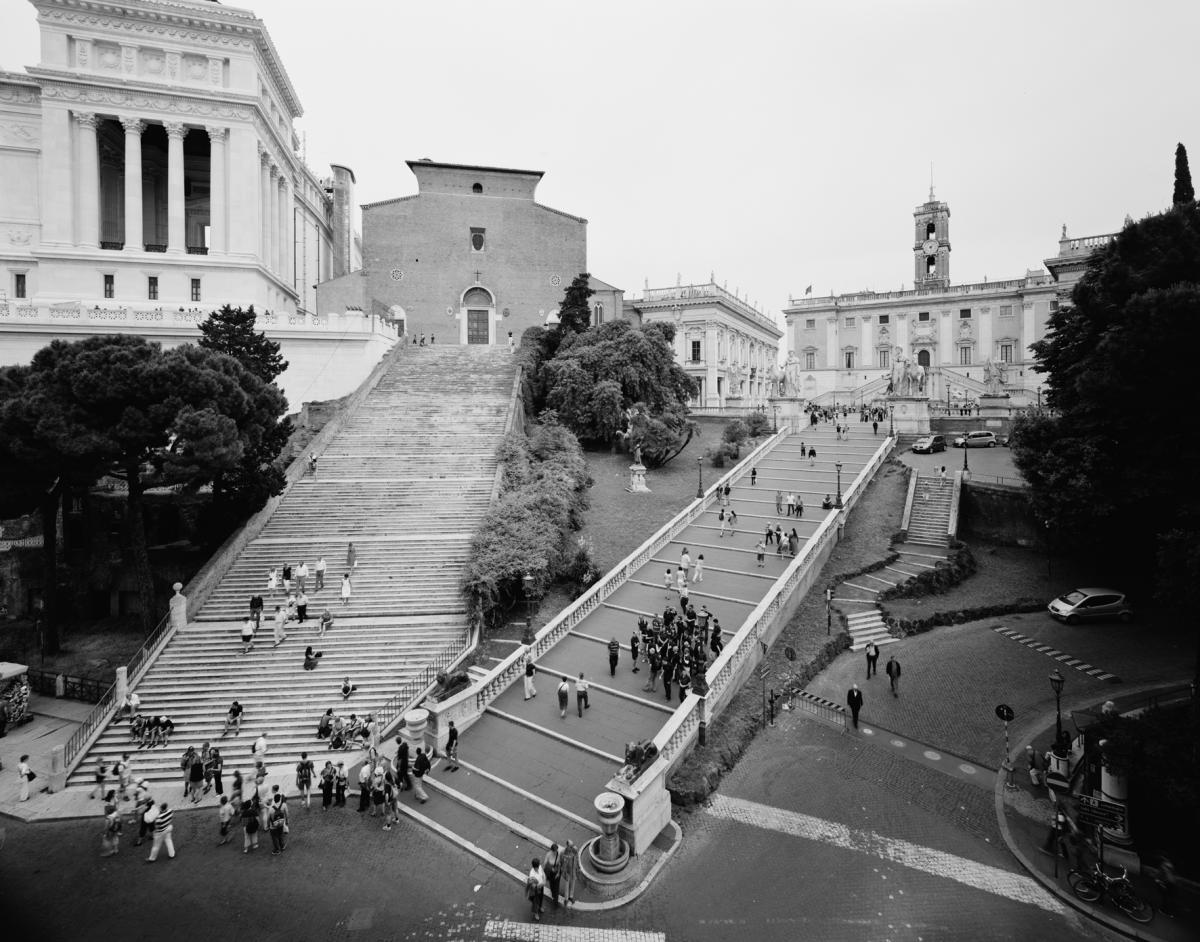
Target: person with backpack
[[304, 777], [250, 825], [421, 765], [279, 825], [328, 777]]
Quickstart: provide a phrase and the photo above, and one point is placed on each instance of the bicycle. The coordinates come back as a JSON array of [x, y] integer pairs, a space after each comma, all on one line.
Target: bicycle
[[1092, 886]]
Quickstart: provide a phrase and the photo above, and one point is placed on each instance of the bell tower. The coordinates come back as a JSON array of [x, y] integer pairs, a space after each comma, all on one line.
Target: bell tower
[[931, 243]]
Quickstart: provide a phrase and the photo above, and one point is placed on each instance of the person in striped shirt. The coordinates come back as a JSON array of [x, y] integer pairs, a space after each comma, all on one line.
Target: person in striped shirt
[[163, 829]]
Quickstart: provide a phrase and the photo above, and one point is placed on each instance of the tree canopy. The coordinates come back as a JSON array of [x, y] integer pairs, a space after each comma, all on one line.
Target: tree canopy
[[1115, 466], [1183, 178]]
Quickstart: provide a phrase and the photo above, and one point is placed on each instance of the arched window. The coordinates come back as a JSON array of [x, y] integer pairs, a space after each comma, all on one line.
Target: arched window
[[598, 314], [478, 297], [477, 188]]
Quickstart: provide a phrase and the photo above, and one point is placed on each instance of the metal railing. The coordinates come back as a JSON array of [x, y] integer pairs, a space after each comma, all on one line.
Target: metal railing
[[414, 689], [74, 688]]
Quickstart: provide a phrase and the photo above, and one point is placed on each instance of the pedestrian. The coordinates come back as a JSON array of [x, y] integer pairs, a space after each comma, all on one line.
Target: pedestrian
[[581, 695], [110, 840], [669, 582], [364, 787], [550, 867], [1037, 772], [402, 764], [286, 573], [724, 522], [213, 769], [259, 751], [655, 667], [225, 811], [278, 633], [194, 772], [535, 882], [452, 748], [725, 494], [279, 825], [249, 626], [942, 472], [272, 581], [812, 455], [123, 775], [893, 672], [512, 344], [420, 767], [872, 651], [769, 535], [302, 576], [341, 780], [163, 829], [304, 777], [301, 607], [717, 642], [698, 569], [233, 718], [854, 700], [614, 652], [799, 506], [1057, 842], [685, 561], [235, 790], [779, 502], [347, 688], [634, 642], [351, 557], [325, 624], [249, 826], [568, 873], [760, 551], [530, 691], [668, 672], [99, 778], [874, 428], [320, 574], [753, 477], [312, 658], [732, 522], [563, 692], [312, 463], [346, 587], [256, 610]]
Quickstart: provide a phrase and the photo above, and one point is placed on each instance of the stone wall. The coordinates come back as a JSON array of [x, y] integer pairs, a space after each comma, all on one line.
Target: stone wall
[[998, 514]]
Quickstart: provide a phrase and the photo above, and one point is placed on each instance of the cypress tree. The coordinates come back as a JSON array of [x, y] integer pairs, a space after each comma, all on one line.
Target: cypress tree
[[1184, 193]]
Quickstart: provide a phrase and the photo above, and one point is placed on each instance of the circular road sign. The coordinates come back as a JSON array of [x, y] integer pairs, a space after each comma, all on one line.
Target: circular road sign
[[1005, 712]]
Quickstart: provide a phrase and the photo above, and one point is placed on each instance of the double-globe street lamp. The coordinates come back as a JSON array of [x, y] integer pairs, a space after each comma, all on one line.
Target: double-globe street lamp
[[838, 503], [1057, 681], [699, 477], [527, 585]]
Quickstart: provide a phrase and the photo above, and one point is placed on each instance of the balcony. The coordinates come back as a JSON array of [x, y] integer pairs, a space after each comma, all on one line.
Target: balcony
[[112, 246]]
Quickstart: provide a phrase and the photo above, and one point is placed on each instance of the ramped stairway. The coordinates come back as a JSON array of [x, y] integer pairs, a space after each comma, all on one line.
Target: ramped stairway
[[407, 480]]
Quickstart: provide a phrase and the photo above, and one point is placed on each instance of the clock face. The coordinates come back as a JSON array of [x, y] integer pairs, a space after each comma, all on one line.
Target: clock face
[[930, 247]]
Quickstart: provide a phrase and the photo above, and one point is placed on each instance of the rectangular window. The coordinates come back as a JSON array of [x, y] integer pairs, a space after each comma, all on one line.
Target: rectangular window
[[1006, 310], [964, 313], [885, 359], [1053, 305], [849, 359], [1006, 353], [110, 285], [849, 321], [885, 318], [923, 316], [152, 287], [19, 284], [195, 289], [477, 239], [695, 351], [810, 324], [964, 356], [810, 361]]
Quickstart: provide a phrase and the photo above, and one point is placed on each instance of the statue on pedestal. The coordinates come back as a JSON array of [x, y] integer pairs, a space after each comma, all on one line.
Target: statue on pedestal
[[791, 375], [994, 377]]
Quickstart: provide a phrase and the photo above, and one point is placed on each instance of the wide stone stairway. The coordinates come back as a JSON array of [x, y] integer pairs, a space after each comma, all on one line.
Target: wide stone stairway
[[529, 776], [407, 480]]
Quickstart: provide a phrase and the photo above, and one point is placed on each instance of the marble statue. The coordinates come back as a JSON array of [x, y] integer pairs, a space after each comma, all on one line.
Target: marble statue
[[791, 375], [994, 377]]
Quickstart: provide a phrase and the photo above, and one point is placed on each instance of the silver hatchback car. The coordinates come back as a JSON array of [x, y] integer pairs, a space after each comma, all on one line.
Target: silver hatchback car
[[1087, 604]]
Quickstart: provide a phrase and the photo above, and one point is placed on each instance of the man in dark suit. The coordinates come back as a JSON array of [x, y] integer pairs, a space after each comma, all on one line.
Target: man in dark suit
[[854, 700], [893, 671]]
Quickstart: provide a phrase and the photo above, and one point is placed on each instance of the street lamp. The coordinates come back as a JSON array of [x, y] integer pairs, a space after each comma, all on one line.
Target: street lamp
[[966, 470], [775, 417], [527, 585], [699, 477], [1056, 682], [891, 430], [838, 503]]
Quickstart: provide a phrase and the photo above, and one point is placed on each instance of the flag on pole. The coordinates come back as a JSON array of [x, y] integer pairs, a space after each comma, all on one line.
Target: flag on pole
[[808, 290]]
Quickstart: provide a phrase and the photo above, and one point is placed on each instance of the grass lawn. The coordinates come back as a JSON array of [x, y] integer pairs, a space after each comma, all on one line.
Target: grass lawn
[[94, 652]]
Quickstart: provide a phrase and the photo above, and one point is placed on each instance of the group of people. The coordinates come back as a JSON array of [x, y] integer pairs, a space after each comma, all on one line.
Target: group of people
[[349, 733], [556, 872], [789, 504]]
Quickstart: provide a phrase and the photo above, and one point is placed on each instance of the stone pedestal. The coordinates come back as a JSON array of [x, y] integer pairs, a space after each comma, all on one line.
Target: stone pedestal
[[909, 414], [122, 686], [58, 769], [788, 410], [995, 407], [608, 853], [178, 606], [637, 479], [413, 730]]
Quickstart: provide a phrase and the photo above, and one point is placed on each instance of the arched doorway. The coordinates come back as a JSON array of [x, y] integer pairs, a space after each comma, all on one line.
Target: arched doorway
[[923, 358], [480, 306]]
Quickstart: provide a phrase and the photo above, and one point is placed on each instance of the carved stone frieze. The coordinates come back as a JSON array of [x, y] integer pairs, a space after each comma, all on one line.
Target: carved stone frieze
[[18, 134], [19, 94], [145, 102]]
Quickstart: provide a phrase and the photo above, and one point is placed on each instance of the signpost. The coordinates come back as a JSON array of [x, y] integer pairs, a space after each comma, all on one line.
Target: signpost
[[1005, 713], [1100, 814]]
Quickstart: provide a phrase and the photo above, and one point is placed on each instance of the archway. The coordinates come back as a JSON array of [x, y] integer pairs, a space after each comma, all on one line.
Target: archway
[[480, 306]]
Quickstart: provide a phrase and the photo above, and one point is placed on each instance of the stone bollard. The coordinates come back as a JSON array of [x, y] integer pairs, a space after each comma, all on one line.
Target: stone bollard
[[415, 722], [608, 852], [178, 606], [58, 769], [122, 687]]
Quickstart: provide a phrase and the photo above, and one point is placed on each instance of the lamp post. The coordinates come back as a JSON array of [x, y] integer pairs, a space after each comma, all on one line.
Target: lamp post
[[838, 503], [774, 417], [966, 470], [891, 430], [699, 477], [1056, 682], [527, 586]]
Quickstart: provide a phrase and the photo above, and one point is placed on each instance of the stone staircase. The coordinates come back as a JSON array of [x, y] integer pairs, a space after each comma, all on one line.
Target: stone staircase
[[407, 479], [929, 520]]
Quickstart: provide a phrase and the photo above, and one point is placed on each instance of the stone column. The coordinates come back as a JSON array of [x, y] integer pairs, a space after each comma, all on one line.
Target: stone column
[[289, 232], [57, 170], [134, 239], [217, 219], [88, 168], [264, 189], [273, 220], [176, 209], [281, 227]]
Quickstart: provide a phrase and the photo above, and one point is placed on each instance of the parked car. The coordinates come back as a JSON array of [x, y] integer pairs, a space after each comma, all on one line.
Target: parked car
[[976, 440], [1087, 604], [929, 444]]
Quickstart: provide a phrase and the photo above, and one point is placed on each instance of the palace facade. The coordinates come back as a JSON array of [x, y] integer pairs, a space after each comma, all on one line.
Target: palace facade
[[846, 345], [152, 173]]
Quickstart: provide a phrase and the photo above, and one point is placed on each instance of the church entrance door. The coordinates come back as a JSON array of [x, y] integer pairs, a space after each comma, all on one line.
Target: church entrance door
[[477, 326]]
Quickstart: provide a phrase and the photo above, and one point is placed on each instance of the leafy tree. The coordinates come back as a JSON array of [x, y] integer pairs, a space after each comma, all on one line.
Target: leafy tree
[[245, 488], [151, 418], [1183, 178], [619, 382], [1115, 466]]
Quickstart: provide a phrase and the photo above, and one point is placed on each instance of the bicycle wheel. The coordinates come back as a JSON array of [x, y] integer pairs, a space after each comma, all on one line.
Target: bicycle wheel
[[1132, 905], [1087, 890]]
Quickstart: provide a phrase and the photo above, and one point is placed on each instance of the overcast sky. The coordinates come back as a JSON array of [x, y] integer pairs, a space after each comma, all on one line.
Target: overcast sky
[[779, 144]]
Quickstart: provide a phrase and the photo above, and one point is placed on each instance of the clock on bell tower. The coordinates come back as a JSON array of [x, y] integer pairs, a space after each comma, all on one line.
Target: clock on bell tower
[[931, 244]]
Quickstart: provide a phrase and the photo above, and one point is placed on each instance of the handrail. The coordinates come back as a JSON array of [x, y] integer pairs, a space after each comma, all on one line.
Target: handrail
[[505, 673], [415, 689]]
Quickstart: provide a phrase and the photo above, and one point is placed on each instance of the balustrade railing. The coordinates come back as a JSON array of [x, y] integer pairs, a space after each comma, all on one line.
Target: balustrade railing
[[413, 689]]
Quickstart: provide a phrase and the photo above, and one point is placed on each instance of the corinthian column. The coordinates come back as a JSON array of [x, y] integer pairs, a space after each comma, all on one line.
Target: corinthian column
[[273, 219], [176, 207], [134, 127], [89, 181], [264, 213], [217, 220]]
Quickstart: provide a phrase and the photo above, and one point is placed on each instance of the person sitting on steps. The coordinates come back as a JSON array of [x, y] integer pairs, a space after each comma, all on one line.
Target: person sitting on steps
[[347, 688]]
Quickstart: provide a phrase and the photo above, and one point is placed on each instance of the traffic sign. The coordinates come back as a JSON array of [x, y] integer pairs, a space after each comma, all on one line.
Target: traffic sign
[[1098, 811], [1005, 712], [764, 672], [789, 652]]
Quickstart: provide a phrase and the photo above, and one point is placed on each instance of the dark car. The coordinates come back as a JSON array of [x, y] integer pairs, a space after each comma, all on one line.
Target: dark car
[[1091, 605], [929, 444]]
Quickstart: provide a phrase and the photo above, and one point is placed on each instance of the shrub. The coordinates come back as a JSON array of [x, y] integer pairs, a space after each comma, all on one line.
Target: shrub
[[735, 432], [758, 425]]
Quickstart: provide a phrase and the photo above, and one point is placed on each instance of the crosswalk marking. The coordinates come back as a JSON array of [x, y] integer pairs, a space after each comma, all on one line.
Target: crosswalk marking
[[546, 932], [1057, 655], [1011, 886]]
